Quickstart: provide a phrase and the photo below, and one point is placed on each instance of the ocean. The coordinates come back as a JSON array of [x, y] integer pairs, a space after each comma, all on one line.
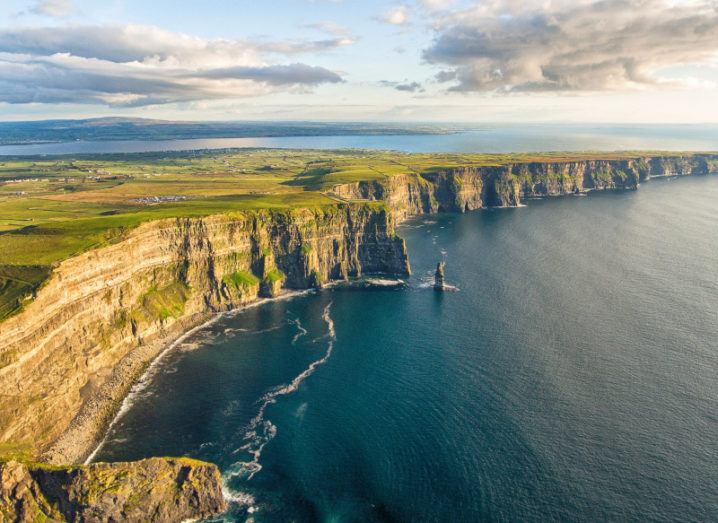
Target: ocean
[[489, 138], [572, 376]]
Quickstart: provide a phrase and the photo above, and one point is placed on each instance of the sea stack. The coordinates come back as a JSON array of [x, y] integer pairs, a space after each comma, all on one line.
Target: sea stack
[[439, 277]]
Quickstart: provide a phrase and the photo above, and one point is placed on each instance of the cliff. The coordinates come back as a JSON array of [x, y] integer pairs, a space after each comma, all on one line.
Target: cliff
[[461, 189], [156, 489], [72, 354]]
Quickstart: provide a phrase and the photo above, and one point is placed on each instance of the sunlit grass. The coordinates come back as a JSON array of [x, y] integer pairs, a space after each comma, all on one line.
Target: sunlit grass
[[52, 208]]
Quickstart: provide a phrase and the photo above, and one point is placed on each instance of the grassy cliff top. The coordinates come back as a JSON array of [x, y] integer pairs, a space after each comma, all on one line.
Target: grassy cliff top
[[52, 208]]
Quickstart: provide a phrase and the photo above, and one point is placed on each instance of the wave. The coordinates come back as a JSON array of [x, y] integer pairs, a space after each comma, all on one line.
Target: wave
[[141, 384], [384, 282], [261, 431], [236, 497], [139, 387], [301, 331], [233, 330]]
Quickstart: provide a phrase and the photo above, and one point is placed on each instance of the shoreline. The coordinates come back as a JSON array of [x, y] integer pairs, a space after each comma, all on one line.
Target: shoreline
[[89, 430]]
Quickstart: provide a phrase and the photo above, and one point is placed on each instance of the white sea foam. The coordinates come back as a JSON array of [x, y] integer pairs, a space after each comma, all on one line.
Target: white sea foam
[[268, 329], [139, 387], [383, 282], [232, 330], [231, 408], [301, 331], [301, 410], [243, 499], [261, 431]]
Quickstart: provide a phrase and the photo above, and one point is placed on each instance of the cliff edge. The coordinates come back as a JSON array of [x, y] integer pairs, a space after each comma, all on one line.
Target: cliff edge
[[71, 355], [156, 489], [461, 189]]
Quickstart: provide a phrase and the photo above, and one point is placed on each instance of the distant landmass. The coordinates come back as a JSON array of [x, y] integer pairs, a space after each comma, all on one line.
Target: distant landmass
[[101, 129]]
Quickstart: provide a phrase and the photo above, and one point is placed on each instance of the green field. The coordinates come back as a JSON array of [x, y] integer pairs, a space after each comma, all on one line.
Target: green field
[[52, 208]]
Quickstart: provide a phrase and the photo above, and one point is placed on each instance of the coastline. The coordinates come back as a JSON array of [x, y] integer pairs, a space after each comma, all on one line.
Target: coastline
[[90, 429], [88, 432], [405, 197], [89, 426]]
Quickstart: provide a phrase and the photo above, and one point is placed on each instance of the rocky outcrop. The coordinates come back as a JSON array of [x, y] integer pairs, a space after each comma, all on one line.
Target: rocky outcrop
[[465, 188], [156, 489], [439, 281], [72, 354]]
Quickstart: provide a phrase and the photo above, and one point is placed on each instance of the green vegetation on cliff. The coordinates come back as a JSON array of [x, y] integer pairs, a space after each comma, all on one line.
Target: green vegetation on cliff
[[274, 276], [164, 303], [52, 208], [240, 280]]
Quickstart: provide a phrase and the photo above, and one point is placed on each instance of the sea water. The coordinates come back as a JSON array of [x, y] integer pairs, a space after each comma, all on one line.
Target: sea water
[[573, 376], [489, 138]]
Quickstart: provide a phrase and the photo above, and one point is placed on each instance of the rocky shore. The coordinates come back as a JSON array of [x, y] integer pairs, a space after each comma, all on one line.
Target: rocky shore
[[155, 489]]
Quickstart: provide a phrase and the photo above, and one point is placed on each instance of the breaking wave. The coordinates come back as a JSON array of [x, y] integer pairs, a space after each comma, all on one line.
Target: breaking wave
[[260, 430], [301, 331], [185, 342], [384, 282]]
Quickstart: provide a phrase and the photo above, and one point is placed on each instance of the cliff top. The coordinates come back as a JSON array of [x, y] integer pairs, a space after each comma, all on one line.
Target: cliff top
[[52, 208]]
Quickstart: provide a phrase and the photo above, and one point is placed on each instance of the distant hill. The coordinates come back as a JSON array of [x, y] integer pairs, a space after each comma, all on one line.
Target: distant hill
[[117, 128]]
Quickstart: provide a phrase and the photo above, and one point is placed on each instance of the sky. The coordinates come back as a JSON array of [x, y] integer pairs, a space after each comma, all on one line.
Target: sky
[[622, 61]]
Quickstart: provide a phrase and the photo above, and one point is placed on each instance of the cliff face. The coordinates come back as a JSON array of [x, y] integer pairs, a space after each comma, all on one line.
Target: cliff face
[[466, 188], [457, 190], [72, 354], [156, 489]]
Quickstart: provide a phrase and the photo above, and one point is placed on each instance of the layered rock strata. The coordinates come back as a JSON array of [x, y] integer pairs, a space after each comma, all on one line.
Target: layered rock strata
[[73, 353], [463, 189]]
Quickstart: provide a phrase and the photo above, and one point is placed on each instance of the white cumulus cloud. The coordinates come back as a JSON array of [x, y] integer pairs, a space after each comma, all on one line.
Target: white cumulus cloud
[[396, 16], [138, 65], [578, 45]]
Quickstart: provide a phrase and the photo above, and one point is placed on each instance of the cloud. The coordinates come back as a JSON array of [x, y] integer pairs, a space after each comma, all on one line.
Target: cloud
[[142, 65], [53, 8], [564, 45], [396, 16], [305, 47], [329, 27], [437, 5], [293, 74], [410, 87]]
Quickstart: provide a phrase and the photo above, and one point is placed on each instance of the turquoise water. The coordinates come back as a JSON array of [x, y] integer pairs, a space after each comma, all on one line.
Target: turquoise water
[[489, 138], [572, 377]]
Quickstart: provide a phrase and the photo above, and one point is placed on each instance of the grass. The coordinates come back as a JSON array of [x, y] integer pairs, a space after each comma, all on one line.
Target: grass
[[16, 451], [273, 276], [17, 283], [240, 280], [167, 302], [53, 208]]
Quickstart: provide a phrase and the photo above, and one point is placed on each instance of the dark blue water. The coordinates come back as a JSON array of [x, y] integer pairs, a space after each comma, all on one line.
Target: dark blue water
[[490, 138], [572, 377]]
